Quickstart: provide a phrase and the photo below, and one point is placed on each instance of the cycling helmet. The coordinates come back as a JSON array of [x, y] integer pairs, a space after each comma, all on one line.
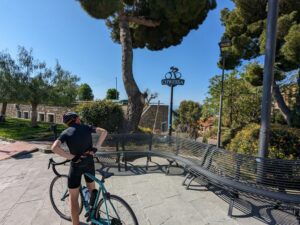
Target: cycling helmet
[[69, 117]]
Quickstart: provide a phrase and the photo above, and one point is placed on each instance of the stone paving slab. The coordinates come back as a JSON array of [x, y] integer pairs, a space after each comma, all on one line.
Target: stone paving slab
[[8, 150], [156, 199]]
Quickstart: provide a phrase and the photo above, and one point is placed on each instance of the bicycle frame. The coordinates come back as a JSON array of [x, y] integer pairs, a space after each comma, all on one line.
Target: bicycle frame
[[101, 191]]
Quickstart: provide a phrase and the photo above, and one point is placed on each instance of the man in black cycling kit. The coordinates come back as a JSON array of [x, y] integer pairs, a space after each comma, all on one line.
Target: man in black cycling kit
[[79, 141]]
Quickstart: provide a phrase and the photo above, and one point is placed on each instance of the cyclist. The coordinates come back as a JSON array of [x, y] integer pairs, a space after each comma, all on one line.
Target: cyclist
[[79, 141]]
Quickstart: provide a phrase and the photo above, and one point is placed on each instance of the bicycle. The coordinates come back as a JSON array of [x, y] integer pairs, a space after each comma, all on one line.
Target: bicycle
[[103, 207]]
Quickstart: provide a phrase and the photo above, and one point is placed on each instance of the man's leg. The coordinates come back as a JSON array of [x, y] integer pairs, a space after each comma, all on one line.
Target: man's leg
[[74, 194], [91, 170], [91, 186]]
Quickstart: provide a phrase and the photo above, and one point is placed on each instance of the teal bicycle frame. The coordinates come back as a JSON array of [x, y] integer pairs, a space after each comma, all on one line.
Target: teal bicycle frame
[[92, 209]]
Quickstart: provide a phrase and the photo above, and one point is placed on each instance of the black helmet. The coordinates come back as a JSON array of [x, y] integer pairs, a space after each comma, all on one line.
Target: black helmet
[[68, 117]]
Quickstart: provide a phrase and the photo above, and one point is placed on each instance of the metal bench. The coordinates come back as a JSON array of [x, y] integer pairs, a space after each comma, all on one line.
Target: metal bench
[[275, 180]]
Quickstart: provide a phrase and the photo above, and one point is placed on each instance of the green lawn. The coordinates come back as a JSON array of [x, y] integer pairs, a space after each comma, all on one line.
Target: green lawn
[[19, 129]]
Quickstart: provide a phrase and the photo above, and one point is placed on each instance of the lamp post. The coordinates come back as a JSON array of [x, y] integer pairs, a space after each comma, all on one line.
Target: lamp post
[[224, 44], [172, 79]]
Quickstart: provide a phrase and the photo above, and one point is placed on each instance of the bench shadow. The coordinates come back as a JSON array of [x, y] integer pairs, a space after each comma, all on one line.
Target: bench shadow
[[110, 165], [258, 209]]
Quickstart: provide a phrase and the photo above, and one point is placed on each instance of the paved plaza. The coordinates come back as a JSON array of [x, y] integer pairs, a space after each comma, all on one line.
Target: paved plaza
[[155, 198]]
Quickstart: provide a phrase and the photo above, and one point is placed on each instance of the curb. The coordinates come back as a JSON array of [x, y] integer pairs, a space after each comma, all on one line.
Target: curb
[[45, 151]]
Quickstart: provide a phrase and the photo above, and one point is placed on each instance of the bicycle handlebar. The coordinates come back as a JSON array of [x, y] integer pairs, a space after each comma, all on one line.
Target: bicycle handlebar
[[53, 163]]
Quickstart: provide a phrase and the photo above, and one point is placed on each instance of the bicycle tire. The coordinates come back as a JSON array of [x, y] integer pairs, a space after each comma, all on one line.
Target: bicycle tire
[[54, 201], [113, 198]]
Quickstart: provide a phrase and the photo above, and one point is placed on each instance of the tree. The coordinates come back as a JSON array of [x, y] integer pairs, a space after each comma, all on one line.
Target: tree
[[241, 102], [150, 96], [245, 25], [11, 81], [151, 24], [42, 85], [64, 87], [187, 117], [85, 93], [37, 88], [112, 94]]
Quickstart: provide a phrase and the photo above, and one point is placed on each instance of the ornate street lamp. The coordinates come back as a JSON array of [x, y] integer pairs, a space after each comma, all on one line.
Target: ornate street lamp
[[224, 44], [172, 79]]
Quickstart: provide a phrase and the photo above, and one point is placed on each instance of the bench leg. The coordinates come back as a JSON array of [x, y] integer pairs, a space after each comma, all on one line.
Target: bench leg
[[297, 214], [126, 168], [191, 180], [168, 168], [233, 196], [119, 163], [187, 176], [231, 204]]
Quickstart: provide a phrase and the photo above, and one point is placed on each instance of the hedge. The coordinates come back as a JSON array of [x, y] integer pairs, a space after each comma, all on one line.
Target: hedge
[[284, 141]]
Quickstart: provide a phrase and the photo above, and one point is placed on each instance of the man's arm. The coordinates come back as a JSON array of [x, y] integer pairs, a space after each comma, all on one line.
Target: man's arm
[[102, 135], [59, 151]]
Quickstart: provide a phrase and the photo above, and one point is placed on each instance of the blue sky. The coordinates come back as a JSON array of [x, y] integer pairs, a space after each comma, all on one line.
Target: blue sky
[[60, 29]]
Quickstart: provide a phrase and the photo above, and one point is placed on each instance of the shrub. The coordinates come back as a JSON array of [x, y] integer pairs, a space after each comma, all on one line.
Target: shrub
[[145, 130], [105, 114], [284, 141]]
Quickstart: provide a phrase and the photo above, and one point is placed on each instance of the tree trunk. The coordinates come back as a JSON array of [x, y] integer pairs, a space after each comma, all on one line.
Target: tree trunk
[[34, 115], [3, 109], [296, 113], [286, 112], [3, 112], [136, 99]]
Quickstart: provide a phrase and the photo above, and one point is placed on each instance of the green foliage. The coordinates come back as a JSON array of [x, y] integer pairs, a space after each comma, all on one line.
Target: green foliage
[[10, 79], [254, 74], [105, 114], [176, 18], [211, 134], [245, 25], [145, 130], [284, 142], [112, 94], [41, 85], [64, 87], [188, 114], [20, 129], [277, 117], [241, 101], [85, 93], [291, 48]]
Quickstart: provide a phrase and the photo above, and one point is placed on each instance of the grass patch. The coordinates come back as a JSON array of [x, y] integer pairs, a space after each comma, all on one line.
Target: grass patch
[[20, 129]]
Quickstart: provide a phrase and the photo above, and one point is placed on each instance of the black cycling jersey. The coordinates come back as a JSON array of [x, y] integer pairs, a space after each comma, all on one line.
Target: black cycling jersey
[[78, 138]]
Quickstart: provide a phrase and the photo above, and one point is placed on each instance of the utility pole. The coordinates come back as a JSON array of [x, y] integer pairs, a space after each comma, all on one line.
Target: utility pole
[[117, 88], [264, 134]]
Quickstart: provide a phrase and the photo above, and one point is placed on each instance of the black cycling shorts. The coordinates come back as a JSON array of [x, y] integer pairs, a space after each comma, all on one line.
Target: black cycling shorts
[[78, 169]]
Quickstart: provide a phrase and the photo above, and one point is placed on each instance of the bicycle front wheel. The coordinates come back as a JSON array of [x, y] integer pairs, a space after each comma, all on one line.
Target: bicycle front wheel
[[119, 212], [59, 196]]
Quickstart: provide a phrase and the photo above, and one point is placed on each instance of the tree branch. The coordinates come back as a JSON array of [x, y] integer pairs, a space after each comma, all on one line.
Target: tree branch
[[143, 21]]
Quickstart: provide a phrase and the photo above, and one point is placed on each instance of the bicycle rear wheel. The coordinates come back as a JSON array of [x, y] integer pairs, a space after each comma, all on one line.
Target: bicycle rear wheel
[[119, 212], [59, 196]]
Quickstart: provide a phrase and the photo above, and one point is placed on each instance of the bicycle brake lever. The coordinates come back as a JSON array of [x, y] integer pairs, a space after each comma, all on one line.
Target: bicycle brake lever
[[50, 161]]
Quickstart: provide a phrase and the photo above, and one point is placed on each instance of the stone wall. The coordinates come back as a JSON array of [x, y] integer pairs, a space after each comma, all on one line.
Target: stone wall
[[148, 117], [52, 114]]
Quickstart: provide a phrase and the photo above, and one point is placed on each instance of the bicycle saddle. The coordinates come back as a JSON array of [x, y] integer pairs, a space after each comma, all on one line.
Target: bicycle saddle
[[105, 174]]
